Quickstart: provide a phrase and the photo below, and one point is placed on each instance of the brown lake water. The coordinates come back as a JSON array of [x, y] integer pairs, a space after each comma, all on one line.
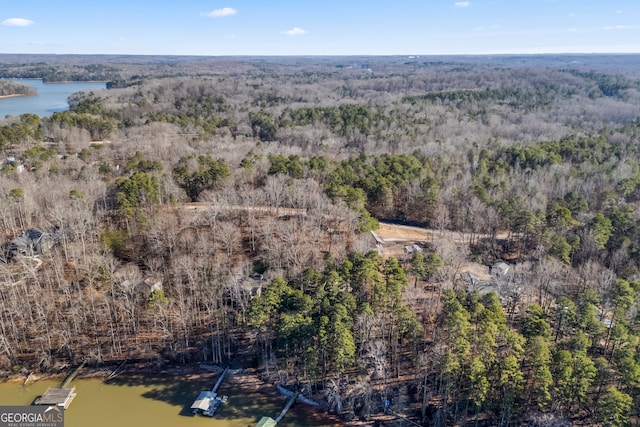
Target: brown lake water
[[138, 401]]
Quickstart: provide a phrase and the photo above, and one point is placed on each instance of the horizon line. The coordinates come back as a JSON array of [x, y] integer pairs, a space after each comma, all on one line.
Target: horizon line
[[409, 55]]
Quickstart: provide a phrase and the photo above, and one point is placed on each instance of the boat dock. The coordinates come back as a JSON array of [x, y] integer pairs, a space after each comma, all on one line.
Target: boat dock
[[292, 399], [60, 396], [293, 396], [208, 402], [55, 396], [300, 399], [72, 375], [266, 422]]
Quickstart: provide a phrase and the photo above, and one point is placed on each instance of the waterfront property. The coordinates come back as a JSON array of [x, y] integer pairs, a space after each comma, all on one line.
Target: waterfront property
[[150, 400]]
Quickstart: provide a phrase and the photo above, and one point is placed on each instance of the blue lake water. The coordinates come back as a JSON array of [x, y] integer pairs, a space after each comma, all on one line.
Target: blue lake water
[[51, 98]]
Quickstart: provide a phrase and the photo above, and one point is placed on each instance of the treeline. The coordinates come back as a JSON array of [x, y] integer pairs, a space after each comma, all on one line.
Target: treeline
[[62, 73], [202, 218], [564, 361], [25, 130], [8, 87], [539, 97], [320, 320]]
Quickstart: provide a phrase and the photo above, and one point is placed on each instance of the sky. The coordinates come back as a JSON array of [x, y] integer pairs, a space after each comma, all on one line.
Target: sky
[[319, 27]]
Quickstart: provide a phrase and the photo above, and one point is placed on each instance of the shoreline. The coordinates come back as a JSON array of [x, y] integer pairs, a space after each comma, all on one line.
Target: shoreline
[[16, 95], [247, 380]]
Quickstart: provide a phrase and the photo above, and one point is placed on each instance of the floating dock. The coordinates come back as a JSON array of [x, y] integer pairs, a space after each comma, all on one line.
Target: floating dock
[[208, 402], [60, 396], [55, 396]]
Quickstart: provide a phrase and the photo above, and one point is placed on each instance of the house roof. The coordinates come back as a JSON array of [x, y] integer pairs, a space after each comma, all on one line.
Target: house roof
[[28, 236], [266, 422], [30, 242], [203, 401], [501, 267]]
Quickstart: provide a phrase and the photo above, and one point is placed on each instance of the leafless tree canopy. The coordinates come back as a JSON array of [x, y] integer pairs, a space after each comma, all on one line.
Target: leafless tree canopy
[[218, 209]]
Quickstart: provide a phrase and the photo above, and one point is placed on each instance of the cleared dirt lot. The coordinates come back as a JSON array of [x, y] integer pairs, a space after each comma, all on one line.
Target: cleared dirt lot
[[395, 237], [392, 232]]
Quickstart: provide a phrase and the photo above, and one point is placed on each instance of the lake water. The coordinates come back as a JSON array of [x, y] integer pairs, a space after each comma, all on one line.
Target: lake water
[[51, 98], [138, 401]]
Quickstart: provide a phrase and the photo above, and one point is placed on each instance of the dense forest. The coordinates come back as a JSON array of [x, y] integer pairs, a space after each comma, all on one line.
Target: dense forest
[[229, 211]]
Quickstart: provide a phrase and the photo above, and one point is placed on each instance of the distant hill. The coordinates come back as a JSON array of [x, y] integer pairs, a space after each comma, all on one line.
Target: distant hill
[[133, 68]]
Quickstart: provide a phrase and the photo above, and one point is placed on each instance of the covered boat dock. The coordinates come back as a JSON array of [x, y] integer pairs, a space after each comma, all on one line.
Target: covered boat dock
[[208, 402]]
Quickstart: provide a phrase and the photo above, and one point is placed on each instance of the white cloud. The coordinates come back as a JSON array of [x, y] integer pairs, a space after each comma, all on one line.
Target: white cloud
[[225, 11], [619, 12], [16, 22], [295, 31], [462, 4], [620, 27]]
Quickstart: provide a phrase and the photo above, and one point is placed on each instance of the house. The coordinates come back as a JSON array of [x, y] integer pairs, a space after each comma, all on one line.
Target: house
[[476, 283], [412, 249], [30, 242], [11, 162], [247, 285], [500, 270], [149, 285]]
